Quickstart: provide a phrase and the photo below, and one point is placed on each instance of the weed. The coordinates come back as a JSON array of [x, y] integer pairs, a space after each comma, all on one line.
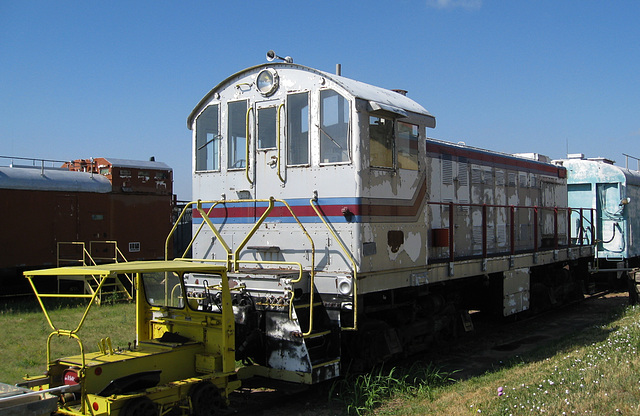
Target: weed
[[362, 393]]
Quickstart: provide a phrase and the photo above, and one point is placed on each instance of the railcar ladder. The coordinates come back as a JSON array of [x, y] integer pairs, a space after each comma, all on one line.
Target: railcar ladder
[[322, 340], [75, 253]]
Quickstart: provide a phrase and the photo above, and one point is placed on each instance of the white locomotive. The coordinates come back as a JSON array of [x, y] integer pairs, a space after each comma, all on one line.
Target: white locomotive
[[349, 234]]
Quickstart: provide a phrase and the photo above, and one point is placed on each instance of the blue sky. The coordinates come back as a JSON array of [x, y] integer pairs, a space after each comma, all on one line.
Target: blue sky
[[82, 79]]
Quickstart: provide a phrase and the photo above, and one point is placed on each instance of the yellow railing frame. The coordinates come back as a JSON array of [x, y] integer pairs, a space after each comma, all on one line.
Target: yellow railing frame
[[233, 258], [313, 202], [116, 252], [66, 332], [175, 226], [85, 253]]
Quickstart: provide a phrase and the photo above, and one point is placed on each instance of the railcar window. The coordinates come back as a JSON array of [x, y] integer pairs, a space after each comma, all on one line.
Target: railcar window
[[267, 128], [208, 140], [237, 131], [144, 175], [163, 289], [407, 146], [298, 129], [381, 142], [334, 129]]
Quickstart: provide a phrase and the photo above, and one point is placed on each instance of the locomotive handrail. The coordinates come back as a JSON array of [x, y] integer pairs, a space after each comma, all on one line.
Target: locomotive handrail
[[537, 210], [581, 237], [175, 226], [313, 202], [206, 218], [233, 258], [278, 144], [246, 162], [256, 225]]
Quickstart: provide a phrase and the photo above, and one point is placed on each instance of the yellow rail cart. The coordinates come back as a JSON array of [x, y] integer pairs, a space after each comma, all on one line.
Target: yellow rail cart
[[183, 358]]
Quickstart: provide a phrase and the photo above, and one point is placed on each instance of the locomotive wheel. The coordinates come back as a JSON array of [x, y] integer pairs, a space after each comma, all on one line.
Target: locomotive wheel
[[140, 406], [205, 399]]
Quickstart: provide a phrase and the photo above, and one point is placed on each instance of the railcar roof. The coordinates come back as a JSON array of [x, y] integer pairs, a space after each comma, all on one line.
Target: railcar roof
[[505, 159], [129, 267], [356, 88], [52, 179], [596, 171], [144, 164]]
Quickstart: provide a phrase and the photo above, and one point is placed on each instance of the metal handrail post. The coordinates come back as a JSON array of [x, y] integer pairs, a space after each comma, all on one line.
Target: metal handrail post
[[278, 144], [247, 140], [313, 202]]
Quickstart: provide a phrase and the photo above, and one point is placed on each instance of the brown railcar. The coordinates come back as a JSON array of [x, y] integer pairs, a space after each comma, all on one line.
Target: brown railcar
[[90, 201]]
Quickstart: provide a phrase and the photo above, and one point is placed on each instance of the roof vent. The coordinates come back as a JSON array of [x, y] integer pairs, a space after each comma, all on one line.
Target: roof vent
[[534, 156], [575, 156], [402, 92]]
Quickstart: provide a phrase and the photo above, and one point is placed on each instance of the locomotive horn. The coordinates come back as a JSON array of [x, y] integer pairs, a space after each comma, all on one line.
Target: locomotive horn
[[271, 55]]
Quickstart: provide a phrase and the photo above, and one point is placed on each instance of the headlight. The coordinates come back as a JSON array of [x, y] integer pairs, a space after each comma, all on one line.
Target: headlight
[[345, 286], [267, 82]]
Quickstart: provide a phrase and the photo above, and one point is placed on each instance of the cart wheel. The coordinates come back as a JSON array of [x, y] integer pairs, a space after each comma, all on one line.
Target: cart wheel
[[140, 406], [205, 399]]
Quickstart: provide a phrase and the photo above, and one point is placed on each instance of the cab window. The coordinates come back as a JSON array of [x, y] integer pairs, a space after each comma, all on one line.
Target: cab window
[[208, 140], [267, 128], [298, 129], [407, 144], [236, 138], [163, 289], [334, 128], [381, 144]]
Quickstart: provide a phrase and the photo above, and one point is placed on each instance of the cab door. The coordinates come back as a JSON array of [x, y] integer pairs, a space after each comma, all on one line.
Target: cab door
[[611, 221], [282, 145], [268, 158]]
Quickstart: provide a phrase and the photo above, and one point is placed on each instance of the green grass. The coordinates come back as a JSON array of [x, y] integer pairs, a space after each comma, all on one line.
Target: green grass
[[594, 372], [23, 343]]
